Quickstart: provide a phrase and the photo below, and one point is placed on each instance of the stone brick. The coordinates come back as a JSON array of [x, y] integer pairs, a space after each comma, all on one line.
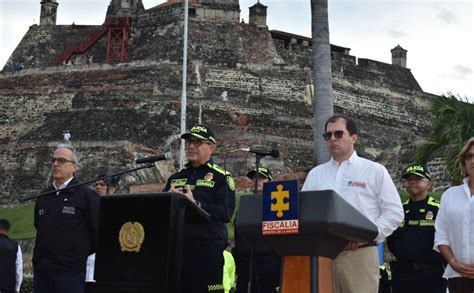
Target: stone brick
[[251, 88]]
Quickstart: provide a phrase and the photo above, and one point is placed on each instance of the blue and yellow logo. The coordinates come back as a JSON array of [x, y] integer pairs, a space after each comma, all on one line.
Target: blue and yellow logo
[[280, 208]]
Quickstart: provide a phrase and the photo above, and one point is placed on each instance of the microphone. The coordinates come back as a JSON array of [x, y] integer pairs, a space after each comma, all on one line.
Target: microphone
[[152, 159], [262, 152]]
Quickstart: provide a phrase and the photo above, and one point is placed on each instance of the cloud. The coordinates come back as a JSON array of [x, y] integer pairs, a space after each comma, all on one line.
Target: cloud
[[396, 34], [462, 72], [446, 16]]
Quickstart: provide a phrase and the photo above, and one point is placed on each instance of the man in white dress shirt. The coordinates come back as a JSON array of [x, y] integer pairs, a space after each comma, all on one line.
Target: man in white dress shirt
[[368, 187]]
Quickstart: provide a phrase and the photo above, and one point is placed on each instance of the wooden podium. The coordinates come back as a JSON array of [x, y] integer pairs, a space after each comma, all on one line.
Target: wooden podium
[[327, 223], [140, 242]]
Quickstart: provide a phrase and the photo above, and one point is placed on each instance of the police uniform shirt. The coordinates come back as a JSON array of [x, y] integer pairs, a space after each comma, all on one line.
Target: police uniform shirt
[[214, 190], [412, 242]]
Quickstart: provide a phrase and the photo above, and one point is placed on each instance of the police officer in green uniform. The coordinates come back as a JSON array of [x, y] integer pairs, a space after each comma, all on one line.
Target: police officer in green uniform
[[417, 268], [211, 188]]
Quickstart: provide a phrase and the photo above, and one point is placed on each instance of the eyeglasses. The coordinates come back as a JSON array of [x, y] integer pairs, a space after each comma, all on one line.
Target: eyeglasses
[[61, 161], [196, 142], [337, 134]]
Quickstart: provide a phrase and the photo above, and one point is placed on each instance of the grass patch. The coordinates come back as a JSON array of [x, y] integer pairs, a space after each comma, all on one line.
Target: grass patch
[[21, 220]]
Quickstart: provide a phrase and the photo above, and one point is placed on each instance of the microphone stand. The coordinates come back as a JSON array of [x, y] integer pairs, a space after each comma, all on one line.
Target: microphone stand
[[106, 178], [257, 163], [252, 244]]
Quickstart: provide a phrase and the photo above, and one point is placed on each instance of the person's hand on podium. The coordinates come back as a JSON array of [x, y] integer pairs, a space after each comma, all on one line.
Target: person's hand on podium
[[186, 191], [357, 245], [353, 245]]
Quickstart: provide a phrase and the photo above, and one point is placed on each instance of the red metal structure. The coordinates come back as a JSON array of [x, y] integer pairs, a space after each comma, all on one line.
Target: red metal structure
[[117, 39], [118, 33]]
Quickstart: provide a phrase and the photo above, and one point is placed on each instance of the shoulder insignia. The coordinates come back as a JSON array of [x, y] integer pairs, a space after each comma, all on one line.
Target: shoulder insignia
[[230, 182], [433, 202], [218, 169]]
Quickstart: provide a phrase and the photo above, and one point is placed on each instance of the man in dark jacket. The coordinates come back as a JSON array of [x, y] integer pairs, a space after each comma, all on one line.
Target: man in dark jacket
[[11, 261], [261, 259], [66, 223], [211, 188], [417, 268]]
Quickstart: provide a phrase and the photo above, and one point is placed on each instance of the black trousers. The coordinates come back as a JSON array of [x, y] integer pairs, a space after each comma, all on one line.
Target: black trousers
[[426, 281], [385, 284], [89, 287], [203, 265], [461, 285], [265, 276]]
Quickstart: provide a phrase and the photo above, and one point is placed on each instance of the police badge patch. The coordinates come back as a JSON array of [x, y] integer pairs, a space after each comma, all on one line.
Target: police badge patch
[[429, 215], [209, 176]]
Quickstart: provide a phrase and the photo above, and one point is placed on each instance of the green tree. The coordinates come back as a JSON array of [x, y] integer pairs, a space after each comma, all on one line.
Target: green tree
[[322, 75], [452, 120]]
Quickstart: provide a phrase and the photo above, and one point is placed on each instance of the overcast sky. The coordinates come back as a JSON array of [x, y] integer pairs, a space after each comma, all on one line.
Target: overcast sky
[[439, 35]]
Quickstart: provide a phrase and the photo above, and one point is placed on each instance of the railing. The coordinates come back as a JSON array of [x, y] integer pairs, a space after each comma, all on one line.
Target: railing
[[111, 23]]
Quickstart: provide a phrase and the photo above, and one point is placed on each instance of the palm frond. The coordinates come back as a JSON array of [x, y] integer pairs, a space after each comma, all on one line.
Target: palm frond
[[452, 120]]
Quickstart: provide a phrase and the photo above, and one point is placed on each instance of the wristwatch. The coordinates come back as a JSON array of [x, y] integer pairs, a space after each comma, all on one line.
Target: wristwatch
[[198, 204]]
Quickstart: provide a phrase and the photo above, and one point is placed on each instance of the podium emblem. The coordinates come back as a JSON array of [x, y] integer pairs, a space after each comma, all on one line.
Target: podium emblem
[[280, 208], [281, 200], [131, 237]]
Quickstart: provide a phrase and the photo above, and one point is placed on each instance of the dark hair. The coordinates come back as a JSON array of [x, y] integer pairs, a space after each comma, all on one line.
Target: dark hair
[[462, 155], [350, 123], [114, 181], [4, 225]]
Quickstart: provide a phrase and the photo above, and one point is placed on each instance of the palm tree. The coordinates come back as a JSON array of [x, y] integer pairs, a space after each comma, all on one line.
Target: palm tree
[[323, 107], [452, 120], [323, 102]]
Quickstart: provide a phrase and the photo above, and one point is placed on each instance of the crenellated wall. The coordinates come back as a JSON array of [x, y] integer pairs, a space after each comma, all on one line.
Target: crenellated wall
[[251, 88]]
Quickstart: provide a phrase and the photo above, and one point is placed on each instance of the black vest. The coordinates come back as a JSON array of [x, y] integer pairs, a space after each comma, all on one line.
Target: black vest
[[8, 251]]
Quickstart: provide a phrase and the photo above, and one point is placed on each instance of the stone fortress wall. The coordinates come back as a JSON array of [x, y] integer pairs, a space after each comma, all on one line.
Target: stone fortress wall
[[251, 85]]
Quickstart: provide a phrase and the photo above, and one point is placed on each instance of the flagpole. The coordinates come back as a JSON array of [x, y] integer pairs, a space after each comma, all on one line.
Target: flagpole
[[183, 92]]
